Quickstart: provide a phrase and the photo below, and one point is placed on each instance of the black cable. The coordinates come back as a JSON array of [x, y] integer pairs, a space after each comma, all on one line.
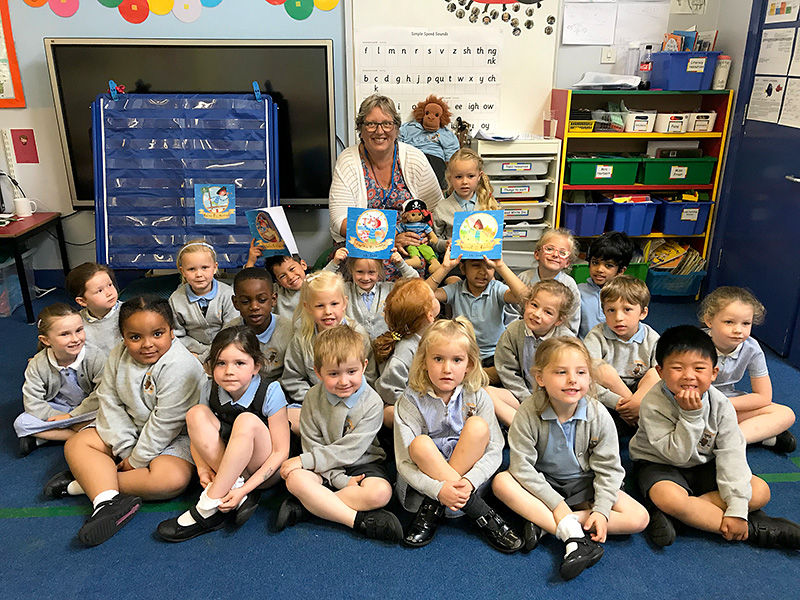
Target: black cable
[[15, 182], [72, 243]]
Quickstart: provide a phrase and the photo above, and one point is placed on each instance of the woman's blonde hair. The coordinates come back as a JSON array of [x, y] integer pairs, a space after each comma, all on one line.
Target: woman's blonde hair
[[551, 349], [449, 330], [316, 283], [406, 312], [198, 245], [552, 232], [484, 192], [384, 103], [555, 288], [721, 297]]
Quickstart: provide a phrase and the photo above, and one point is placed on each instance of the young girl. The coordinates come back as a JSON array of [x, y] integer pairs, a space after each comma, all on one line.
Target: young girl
[[94, 289], [410, 309], [367, 292], [565, 471], [58, 380], [137, 449], [202, 304], [323, 301], [554, 252], [239, 430], [729, 313], [446, 438], [546, 307]]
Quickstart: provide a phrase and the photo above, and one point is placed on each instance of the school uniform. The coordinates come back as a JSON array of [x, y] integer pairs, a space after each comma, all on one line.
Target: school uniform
[[485, 311], [193, 328], [747, 357], [393, 377], [273, 341], [443, 216], [591, 307], [287, 301], [102, 333], [529, 278], [261, 398]]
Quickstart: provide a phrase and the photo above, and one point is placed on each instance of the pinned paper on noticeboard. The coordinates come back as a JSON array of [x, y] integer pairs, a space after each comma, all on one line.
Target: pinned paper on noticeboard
[[214, 204], [271, 231], [370, 232], [477, 234]]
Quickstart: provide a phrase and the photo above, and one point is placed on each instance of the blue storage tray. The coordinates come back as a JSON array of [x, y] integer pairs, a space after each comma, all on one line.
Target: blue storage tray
[[586, 219], [682, 218], [633, 218], [663, 283], [683, 70]]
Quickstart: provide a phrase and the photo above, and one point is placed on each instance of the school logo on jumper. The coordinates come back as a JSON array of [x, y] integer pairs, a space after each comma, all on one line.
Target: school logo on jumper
[[478, 233], [372, 231], [706, 439]]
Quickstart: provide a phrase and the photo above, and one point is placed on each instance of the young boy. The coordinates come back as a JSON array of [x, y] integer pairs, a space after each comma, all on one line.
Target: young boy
[[608, 256], [340, 475], [689, 453], [626, 344], [94, 288]]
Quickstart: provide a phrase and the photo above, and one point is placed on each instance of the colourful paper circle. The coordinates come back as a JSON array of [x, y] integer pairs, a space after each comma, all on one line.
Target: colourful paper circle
[[299, 9], [161, 7], [35, 3], [276, 2], [210, 3], [110, 3], [326, 4], [187, 11], [134, 11], [64, 8]]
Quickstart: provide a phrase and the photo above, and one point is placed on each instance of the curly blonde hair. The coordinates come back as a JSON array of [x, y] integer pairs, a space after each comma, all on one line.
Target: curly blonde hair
[[555, 288], [721, 297], [316, 283]]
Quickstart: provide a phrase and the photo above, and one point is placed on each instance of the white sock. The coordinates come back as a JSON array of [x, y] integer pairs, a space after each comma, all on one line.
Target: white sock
[[569, 527], [74, 488], [205, 507], [40, 442], [102, 497], [236, 485], [769, 441]]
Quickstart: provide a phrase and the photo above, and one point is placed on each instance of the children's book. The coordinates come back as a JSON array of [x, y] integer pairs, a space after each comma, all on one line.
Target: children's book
[[706, 40], [477, 234], [214, 204], [689, 39], [370, 232], [271, 231]]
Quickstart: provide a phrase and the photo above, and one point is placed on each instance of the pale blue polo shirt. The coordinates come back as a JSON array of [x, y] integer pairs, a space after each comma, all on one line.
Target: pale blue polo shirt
[[485, 312], [559, 459], [591, 308], [747, 357]]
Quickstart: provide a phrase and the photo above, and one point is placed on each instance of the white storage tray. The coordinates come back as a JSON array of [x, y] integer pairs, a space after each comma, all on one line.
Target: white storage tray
[[516, 259], [519, 188], [512, 166], [523, 233], [524, 211], [640, 122], [672, 122], [702, 121]]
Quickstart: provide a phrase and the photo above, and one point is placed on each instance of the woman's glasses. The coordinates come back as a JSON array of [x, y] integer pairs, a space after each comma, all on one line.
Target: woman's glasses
[[553, 250], [372, 126]]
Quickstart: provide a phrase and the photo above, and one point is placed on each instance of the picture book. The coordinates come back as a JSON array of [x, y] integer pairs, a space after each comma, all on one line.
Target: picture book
[[478, 234], [214, 204], [370, 232], [271, 231]]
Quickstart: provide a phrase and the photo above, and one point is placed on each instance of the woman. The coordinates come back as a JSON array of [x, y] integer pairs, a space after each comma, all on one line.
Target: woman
[[380, 172]]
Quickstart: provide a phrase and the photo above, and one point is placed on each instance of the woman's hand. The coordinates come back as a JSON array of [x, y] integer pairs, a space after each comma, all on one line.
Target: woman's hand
[[408, 238]]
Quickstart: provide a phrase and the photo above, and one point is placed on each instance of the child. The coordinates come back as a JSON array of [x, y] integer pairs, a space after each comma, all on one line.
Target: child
[[546, 305], [468, 189], [565, 472], [322, 306], [95, 290], [608, 256], [626, 344], [689, 452], [554, 252], [254, 298], [729, 313], [410, 309], [289, 273], [481, 299], [239, 434], [367, 291], [58, 380], [137, 449], [340, 475], [202, 304], [446, 438]]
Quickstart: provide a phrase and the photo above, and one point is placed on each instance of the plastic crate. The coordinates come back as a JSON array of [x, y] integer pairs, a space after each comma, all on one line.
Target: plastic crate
[[603, 171], [678, 171], [586, 219], [580, 273], [682, 218], [10, 290], [664, 283], [524, 211], [683, 70], [633, 218]]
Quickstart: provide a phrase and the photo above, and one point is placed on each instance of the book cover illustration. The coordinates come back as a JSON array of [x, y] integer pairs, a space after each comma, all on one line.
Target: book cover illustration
[[370, 232], [477, 234], [271, 231], [214, 204]]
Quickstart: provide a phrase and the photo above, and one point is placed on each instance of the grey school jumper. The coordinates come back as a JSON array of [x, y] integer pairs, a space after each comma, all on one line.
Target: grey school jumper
[[372, 319], [194, 330], [143, 407], [409, 423], [335, 437], [104, 333], [596, 448], [274, 350], [394, 372], [669, 435]]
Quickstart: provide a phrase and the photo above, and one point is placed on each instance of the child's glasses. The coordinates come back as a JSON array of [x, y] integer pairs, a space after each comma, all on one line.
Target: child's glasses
[[553, 250], [372, 126]]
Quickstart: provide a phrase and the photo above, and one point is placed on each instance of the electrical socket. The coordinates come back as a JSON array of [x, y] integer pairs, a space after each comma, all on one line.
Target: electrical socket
[[608, 55]]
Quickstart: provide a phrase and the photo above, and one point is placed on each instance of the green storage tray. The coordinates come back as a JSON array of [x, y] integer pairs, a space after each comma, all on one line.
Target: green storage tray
[[580, 273], [678, 171], [603, 171]]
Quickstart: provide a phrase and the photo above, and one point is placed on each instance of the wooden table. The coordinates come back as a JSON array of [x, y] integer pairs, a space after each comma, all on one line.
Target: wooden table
[[17, 232]]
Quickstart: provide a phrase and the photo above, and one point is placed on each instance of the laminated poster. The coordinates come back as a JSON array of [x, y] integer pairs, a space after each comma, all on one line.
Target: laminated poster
[[370, 232], [214, 204], [477, 234], [271, 231]]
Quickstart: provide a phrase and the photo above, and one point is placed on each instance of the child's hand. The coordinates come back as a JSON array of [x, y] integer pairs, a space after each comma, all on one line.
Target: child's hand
[[290, 465], [356, 480], [734, 529], [448, 262], [206, 477], [628, 409], [125, 465], [689, 399], [395, 257], [454, 495], [340, 255], [597, 522], [60, 417], [493, 264], [253, 254], [232, 499]]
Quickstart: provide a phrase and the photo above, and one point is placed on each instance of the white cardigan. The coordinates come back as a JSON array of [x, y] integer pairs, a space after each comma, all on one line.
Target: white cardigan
[[349, 187]]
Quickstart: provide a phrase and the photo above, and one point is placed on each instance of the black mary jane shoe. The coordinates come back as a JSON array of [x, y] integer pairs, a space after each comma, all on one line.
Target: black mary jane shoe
[[424, 524], [580, 559], [171, 531], [27, 444], [56, 486], [498, 533], [531, 534], [247, 508]]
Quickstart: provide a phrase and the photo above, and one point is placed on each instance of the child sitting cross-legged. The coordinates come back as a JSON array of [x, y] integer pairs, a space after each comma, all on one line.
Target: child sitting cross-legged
[[340, 475], [689, 452]]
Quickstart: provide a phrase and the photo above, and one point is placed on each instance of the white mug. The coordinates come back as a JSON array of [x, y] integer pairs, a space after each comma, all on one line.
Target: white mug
[[23, 207]]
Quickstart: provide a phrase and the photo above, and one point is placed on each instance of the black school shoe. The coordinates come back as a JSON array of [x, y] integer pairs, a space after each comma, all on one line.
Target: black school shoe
[[108, 518], [290, 513], [586, 555], [785, 443], [498, 533], [772, 532], [56, 486], [172, 531], [27, 444], [380, 524], [531, 534], [660, 530], [423, 527], [247, 508]]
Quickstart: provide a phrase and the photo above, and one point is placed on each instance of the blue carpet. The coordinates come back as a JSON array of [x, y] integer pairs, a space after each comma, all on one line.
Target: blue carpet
[[41, 558]]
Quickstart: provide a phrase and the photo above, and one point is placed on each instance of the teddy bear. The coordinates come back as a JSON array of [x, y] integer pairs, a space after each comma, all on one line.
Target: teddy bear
[[429, 132], [414, 218]]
